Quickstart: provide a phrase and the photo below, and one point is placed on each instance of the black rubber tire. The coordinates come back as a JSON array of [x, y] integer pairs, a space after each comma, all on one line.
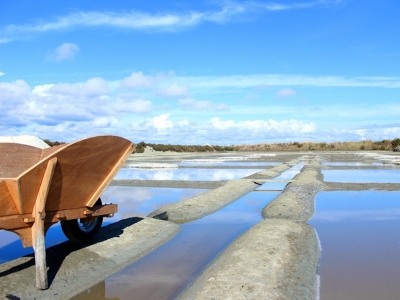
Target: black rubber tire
[[82, 234]]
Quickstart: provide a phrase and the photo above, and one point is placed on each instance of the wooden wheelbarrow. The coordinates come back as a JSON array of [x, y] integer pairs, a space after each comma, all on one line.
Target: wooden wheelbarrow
[[40, 187]]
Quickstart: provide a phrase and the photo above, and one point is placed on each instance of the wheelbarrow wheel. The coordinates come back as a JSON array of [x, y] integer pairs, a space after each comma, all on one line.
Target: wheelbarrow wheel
[[82, 233]]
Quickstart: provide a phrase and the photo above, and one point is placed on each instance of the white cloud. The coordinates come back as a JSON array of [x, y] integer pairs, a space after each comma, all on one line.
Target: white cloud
[[66, 51], [93, 87], [174, 90], [222, 125], [1, 73], [13, 94], [68, 111], [135, 106], [138, 80], [171, 21], [3, 41], [257, 80], [162, 122], [284, 93], [285, 126], [192, 104], [105, 122], [159, 123]]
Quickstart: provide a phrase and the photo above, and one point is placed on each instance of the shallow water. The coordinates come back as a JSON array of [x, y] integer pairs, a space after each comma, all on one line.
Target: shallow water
[[330, 163], [272, 186], [360, 239], [140, 201], [185, 174], [167, 271], [359, 176], [290, 173], [132, 201], [227, 163]]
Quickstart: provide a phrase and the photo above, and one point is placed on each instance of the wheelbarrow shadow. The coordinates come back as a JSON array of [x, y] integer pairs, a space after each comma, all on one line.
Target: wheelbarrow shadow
[[56, 255]]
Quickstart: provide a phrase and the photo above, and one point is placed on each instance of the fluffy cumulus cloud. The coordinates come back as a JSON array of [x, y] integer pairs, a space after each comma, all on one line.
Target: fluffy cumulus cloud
[[192, 104], [12, 96], [94, 87], [138, 80], [284, 93], [66, 110], [136, 107], [161, 124], [65, 51], [174, 90], [271, 126]]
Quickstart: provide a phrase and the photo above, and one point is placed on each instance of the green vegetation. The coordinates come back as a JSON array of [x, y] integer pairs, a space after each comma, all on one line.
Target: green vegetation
[[386, 145], [182, 148], [55, 143], [368, 145]]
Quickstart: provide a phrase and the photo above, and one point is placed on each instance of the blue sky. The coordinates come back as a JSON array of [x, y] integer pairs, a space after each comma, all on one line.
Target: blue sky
[[196, 72]]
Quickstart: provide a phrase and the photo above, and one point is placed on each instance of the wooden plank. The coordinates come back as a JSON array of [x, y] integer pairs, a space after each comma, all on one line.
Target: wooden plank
[[17, 158], [26, 220], [110, 176], [38, 228], [15, 193], [82, 173], [6, 201], [48, 151]]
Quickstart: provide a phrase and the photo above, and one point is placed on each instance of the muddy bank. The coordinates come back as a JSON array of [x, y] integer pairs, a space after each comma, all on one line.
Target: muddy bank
[[296, 202], [73, 268], [276, 259]]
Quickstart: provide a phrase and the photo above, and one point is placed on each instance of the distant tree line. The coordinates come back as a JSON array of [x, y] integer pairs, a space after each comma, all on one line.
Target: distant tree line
[[182, 148], [384, 145], [55, 143]]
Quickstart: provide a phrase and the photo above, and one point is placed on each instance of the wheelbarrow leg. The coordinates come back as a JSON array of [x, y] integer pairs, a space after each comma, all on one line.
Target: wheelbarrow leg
[[38, 229]]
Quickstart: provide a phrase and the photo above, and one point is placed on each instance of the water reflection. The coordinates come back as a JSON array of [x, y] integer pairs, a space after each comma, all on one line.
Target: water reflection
[[360, 239], [289, 174], [167, 271], [132, 202], [272, 186], [358, 176], [11, 246], [354, 164], [226, 163], [185, 174], [139, 202]]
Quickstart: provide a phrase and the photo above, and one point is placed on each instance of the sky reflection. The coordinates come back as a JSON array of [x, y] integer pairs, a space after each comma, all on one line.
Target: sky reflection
[[358, 176], [132, 202], [185, 174]]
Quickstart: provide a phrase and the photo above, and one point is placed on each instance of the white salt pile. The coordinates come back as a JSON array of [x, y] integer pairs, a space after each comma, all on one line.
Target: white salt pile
[[29, 140]]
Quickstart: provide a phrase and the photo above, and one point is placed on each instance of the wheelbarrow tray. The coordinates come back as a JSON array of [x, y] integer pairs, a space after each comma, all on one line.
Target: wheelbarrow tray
[[55, 184]]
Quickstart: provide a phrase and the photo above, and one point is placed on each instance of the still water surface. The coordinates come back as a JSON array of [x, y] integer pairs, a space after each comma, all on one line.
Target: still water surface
[[167, 271], [132, 202], [360, 240], [185, 174], [359, 176], [226, 163], [353, 164]]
